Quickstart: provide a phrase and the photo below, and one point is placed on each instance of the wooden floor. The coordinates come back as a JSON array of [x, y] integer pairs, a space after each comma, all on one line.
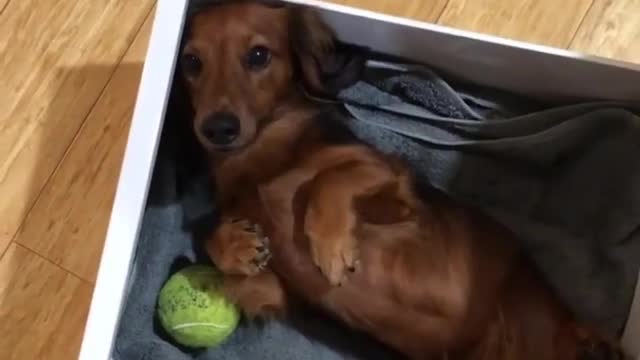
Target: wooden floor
[[69, 72]]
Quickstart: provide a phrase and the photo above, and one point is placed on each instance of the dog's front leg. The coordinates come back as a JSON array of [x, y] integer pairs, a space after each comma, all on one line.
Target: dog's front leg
[[331, 218], [259, 296]]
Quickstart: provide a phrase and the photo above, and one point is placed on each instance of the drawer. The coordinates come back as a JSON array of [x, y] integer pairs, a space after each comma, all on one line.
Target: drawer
[[516, 67]]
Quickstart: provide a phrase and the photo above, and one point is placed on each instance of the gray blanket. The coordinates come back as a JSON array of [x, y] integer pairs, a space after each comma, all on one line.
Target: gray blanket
[[565, 179]]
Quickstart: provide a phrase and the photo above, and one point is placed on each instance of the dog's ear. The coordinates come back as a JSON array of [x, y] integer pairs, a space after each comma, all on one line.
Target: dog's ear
[[325, 65]]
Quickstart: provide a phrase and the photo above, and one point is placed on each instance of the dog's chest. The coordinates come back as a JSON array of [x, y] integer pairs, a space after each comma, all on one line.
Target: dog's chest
[[277, 153]]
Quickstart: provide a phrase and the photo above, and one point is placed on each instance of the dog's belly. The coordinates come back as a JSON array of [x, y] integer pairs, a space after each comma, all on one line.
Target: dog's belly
[[405, 279]]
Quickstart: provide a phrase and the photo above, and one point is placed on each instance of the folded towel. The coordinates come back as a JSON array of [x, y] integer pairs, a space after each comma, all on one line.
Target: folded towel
[[564, 179]]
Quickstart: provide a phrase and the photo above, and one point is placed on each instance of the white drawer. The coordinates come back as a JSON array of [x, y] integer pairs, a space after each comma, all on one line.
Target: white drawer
[[510, 65]]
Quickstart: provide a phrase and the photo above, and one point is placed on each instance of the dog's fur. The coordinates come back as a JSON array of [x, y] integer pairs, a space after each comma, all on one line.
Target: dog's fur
[[344, 224]]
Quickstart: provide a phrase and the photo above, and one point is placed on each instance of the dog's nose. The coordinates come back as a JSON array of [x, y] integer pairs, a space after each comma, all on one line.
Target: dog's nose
[[221, 128]]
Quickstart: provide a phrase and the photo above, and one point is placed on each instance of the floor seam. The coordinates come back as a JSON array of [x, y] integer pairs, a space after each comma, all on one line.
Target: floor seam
[[575, 33], [444, 8], [88, 282], [6, 249], [4, 7]]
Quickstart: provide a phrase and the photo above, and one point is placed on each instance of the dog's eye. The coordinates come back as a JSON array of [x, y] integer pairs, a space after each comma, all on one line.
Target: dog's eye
[[258, 58], [191, 64]]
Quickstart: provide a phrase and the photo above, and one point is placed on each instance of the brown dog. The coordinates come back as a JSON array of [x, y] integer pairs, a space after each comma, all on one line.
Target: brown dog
[[348, 231]]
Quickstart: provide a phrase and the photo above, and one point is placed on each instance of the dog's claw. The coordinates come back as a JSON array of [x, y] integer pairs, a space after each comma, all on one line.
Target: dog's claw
[[337, 264], [250, 250], [263, 253]]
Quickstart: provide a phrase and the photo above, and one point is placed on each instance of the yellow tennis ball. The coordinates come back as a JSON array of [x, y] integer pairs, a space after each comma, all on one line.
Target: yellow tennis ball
[[192, 309]]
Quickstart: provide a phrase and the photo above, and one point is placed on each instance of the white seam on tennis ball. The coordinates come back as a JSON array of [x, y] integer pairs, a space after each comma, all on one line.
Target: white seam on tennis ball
[[187, 325]]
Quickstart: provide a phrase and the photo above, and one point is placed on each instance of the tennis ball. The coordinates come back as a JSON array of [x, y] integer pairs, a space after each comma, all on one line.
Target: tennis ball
[[192, 309]]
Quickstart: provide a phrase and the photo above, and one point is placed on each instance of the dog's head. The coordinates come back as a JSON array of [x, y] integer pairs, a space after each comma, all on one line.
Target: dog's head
[[244, 59]]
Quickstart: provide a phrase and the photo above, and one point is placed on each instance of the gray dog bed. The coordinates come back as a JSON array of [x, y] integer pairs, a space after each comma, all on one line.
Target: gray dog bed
[[566, 179]]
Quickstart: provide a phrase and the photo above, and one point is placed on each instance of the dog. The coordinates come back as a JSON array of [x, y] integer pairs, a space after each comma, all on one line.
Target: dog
[[310, 216]]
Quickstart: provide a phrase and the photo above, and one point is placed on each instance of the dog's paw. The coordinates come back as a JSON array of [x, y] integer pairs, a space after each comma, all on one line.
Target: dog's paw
[[244, 250], [333, 249], [336, 257]]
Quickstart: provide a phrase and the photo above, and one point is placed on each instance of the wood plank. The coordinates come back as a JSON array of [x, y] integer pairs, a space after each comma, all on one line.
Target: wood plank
[[415, 9], [611, 29], [42, 307], [537, 21], [68, 222], [44, 95]]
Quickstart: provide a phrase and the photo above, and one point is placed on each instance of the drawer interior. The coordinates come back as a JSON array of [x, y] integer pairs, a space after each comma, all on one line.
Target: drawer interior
[[549, 161]]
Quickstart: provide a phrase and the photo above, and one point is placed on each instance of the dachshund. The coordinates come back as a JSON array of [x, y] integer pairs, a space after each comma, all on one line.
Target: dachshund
[[309, 213]]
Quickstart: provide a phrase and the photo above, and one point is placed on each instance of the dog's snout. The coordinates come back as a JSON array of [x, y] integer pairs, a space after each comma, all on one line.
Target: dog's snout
[[221, 128]]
